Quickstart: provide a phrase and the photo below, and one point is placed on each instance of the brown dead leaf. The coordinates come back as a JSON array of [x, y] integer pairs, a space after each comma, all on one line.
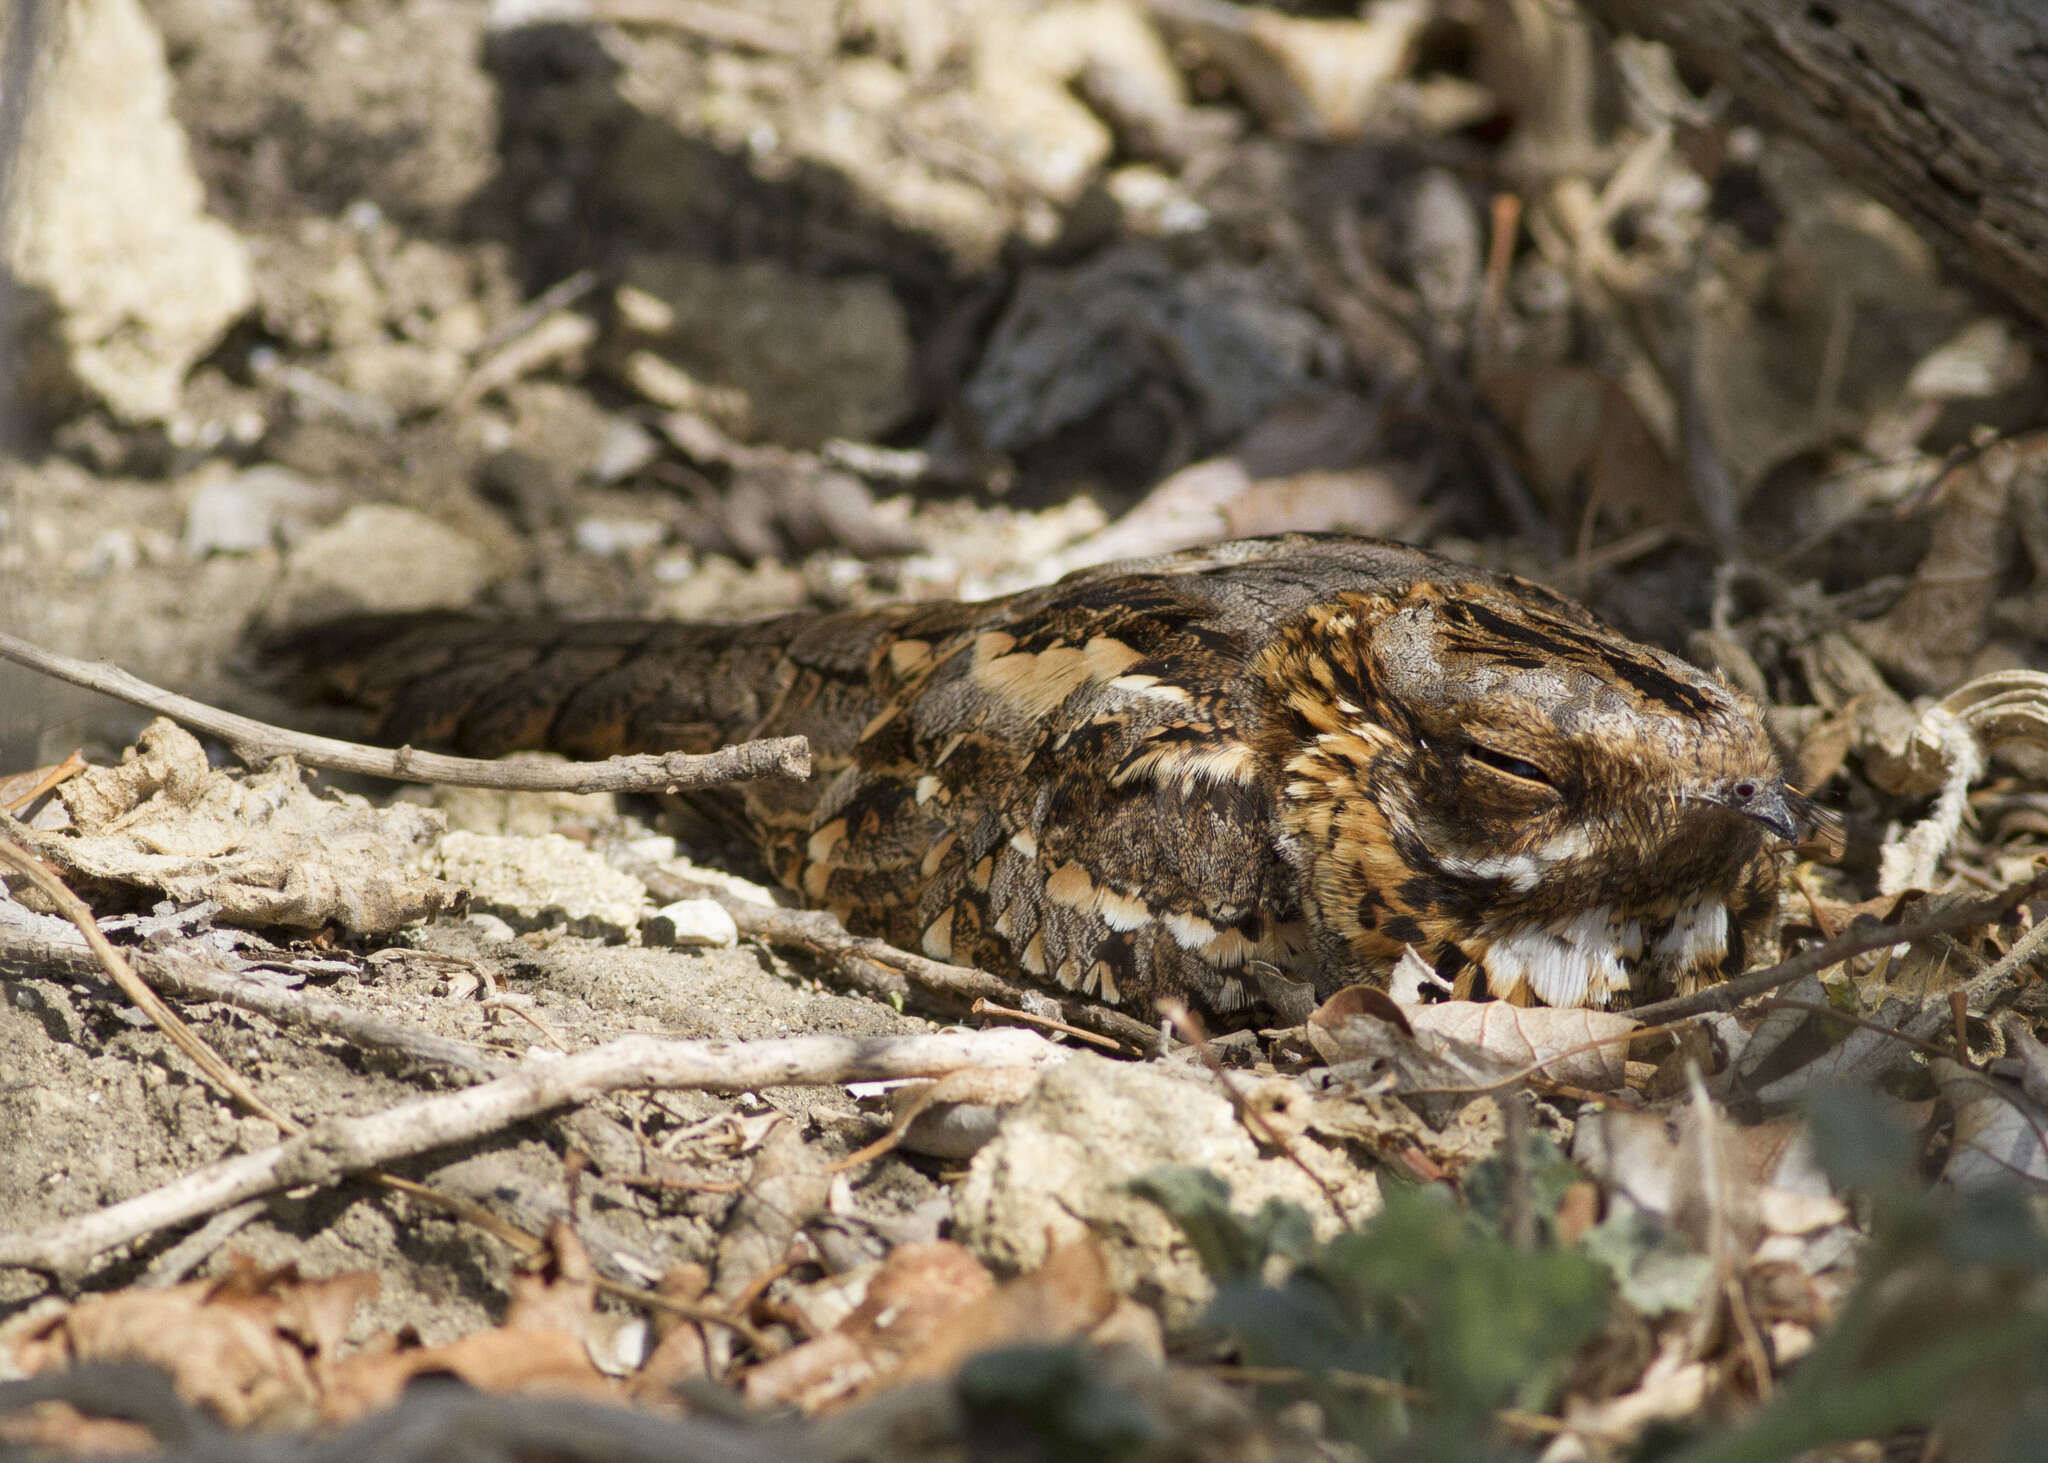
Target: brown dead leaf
[[505, 1359], [544, 1345], [929, 1308], [911, 1297], [789, 1184], [680, 1354], [560, 1292], [249, 1346], [1326, 1022], [1757, 1182], [1563, 1040], [2001, 1134], [1392, 1130], [1929, 637], [1587, 447], [1069, 1295], [57, 1429]]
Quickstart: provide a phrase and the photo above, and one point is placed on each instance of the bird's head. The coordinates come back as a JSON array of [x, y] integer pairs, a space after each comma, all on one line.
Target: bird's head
[[1541, 807]]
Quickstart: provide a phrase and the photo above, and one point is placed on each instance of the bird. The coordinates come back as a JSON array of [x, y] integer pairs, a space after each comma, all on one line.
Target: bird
[[1174, 777]]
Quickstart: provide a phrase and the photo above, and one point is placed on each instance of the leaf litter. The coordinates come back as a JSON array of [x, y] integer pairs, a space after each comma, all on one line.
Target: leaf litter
[[1263, 270]]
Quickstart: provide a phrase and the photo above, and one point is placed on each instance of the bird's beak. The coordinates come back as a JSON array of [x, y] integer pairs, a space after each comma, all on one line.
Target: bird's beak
[[1768, 802]]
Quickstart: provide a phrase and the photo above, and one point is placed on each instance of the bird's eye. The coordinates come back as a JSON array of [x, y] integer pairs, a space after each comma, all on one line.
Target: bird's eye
[[1515, 767]]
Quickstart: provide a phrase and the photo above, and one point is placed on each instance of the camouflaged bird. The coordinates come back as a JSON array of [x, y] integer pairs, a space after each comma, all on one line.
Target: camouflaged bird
[[1306, 751]]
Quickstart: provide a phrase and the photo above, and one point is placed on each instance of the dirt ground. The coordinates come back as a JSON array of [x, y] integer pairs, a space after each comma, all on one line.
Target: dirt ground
[[595, 308]]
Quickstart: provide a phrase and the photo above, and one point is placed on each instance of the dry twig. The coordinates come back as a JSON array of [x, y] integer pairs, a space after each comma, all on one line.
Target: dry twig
[[1861, 937], [341, 1147], [873, 964], [1254, 1121], [193, 975], [135, 989], [259, 741]]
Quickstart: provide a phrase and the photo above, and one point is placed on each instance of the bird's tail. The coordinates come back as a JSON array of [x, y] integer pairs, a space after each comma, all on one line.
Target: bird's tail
[[595, 688]]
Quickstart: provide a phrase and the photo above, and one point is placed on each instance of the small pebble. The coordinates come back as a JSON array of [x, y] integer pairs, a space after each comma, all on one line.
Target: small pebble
[[490, 926], [606, 538], [244, 513], [691, 922], [627, 448]]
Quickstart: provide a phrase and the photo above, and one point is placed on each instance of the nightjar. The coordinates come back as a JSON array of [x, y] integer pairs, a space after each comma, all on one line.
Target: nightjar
[[1138, 782]]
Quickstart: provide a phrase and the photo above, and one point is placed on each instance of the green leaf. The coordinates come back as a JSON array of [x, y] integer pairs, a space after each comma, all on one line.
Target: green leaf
[[1857, 1144], [1656, 1271], [1050, 1402], [1229, 1245]]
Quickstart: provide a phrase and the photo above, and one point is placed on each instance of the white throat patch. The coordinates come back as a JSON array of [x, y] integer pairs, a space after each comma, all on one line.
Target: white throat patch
[[1587, 960], [1582, 961]]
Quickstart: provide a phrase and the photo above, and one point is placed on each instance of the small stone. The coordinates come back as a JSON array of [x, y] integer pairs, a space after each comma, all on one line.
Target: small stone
[[247, 512], [380, 557], [127, 280], [489, 926], [1056, 1171], [609, 538], [627, 448], [655, 848], [691, 922]]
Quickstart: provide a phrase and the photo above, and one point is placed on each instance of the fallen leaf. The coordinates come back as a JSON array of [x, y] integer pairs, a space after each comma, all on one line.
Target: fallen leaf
[[1326, 1022], [1068, 1295], [1562, 1040], [788, 1185], [18, 789], [505, 1359], [2001, 1134], [1929, 636], [248, 1346], [1588, 449], [680, 1353], [910, 1299]]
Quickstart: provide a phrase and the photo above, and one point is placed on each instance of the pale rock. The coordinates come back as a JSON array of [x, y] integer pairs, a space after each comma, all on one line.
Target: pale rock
[[251, 510], [379, 557], [691, 922], [1062, 1165], [109, 233]]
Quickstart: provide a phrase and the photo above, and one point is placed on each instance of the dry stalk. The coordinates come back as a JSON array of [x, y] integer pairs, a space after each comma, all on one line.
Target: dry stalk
[[339, 1148], [259, 741]]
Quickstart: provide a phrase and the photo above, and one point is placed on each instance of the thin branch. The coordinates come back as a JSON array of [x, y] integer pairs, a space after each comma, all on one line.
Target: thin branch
[[1818, 1008], [340, 1147], [136, 989], [1253, 1120], [193, 975], [1047, 1023], [875, 964], [1860, 938], [259, 741]]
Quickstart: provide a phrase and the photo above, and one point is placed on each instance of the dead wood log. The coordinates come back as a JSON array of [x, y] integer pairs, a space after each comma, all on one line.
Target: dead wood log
[[1940, 109]]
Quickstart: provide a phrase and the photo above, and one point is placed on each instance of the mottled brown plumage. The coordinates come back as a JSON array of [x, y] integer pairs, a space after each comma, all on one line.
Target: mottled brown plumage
[[1307, 751]]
